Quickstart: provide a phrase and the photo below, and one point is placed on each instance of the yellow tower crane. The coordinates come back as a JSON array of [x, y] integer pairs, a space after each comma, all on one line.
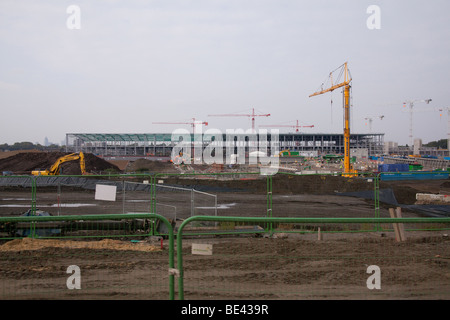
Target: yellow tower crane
[[333, 85]]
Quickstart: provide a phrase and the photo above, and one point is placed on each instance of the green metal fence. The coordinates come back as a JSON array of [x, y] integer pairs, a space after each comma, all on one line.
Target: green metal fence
[[318, 264], [315, 265], [177, 199], [248, 253], [115, 256]]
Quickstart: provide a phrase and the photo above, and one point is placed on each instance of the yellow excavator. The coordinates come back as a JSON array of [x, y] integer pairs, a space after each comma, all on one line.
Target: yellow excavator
[[281, 153], [55, 168]]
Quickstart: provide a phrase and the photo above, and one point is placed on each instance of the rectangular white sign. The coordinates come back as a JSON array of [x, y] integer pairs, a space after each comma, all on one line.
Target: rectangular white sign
[[201, 248], [104, 192]]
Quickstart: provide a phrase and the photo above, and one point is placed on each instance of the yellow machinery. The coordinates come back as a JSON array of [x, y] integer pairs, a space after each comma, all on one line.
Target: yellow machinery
[[282, 152], [343, 70], [180, 158], [55, 168]]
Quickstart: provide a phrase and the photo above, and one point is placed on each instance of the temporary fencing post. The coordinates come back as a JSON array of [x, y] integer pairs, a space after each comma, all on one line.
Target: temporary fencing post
[[377, 200], [192, 202], [123, 196], [153, 201], [269, 201], [395, 225], [33, 206], [152, 192], [58, 197]]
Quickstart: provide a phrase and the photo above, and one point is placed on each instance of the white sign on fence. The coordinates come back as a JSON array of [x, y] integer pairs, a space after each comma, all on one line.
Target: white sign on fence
[[201, 248], [104, 192]]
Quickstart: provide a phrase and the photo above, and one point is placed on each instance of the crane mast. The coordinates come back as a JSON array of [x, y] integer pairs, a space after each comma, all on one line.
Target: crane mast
[[348, 170], [448, 125], [411, 110]]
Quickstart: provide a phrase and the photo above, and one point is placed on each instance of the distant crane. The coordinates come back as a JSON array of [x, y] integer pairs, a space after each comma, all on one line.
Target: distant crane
[[252, 115], [370, 119], [411, 107], [448, 124], [440, 110], [193, 123], [297, 126], [343, 71]]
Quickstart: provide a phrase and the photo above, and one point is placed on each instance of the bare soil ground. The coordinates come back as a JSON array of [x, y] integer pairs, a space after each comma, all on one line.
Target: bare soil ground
[[241, 268], [301, 267]]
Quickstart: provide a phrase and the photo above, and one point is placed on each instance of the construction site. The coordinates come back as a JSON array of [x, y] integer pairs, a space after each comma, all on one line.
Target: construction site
[[333, 195]]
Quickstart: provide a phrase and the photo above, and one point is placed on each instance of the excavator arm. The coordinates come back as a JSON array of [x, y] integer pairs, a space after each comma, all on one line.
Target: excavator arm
[[56, 167]]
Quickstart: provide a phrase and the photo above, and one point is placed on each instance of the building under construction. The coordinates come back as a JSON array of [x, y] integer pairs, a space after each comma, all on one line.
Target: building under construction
[[161, 144]]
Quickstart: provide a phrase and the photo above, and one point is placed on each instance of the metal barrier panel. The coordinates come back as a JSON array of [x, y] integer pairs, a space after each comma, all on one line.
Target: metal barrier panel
[[204, 203], [94, 257], [323, 195], [60, 196], [318, 264], [137, 196], [179, 198], [217, 194], [74, 195], [280, 195], [16, 195], [181, 202], [67, 195], [214, 194]]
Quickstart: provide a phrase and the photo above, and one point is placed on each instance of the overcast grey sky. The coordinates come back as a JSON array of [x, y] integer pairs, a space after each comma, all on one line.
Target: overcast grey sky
[[135, 62]]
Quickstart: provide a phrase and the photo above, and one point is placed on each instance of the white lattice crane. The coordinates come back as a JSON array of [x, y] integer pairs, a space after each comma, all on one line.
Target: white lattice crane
[[193, 123], [448, 124], [411, 103], [370, 119]]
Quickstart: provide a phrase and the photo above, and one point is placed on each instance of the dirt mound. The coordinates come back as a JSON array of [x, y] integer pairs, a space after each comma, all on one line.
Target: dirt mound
[[24, 163], [144, 165], [282, 184], [121, 164], [7, 154], [36, 244], [405, 191]]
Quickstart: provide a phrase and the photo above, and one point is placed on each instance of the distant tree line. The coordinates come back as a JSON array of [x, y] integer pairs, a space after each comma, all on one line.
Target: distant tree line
[[440, 144], [30, 146]]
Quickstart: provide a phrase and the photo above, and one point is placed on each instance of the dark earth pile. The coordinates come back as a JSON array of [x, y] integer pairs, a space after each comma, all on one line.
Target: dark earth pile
[[284, 184], [24, 163], [404, 191], [145, 165]]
